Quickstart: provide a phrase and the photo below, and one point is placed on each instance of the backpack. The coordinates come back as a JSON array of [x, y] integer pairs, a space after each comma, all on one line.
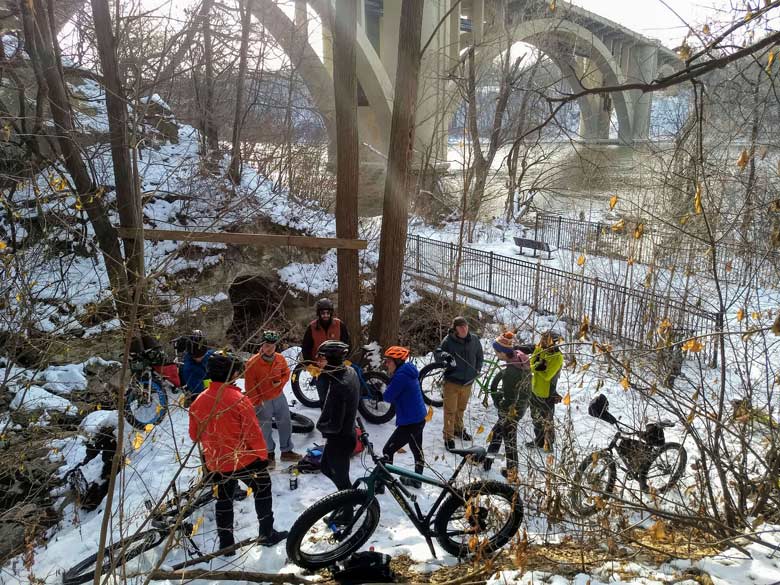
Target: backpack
[[365, 567], [309, 463]]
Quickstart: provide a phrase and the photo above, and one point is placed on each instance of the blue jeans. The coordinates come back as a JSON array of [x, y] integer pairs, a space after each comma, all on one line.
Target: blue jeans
[[275, 409]]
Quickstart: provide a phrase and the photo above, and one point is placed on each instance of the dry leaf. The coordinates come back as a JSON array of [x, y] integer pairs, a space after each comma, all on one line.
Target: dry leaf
[[148, 428], [697, 200], [705, 29], [658, 531], [481, 429], [744, 159], [138, 440], [584, 328], [639, 230], [248, 491], [776, 325], [625, 384], [612, 202], [684, 219], [585, 368], [429, 416], [740, 315], [755, 315], [619, 226], [581, 260], [196, 526], [566, 399], [552, 5], [684, 51], [729, 266], [769, 60], [693, 345]]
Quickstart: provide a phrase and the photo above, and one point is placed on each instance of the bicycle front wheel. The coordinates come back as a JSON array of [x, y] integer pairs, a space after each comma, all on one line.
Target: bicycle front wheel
[[146, 402], [482, 518], [304, 386], [594, 479], [667, 468], [371, 405], [432, 383], [318, 537], [115, 556]]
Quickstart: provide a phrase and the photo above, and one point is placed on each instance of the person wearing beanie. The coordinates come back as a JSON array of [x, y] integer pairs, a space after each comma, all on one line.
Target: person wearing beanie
[[466, 349], [405, 394], [223, 422], [266, 374], [511, 398], [194, 364]]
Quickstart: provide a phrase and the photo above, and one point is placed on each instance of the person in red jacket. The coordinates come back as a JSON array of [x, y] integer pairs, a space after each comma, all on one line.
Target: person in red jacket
[[266, 374], [223, 421]]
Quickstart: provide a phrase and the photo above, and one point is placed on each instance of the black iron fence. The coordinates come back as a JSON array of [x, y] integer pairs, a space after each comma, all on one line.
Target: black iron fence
[[659, 247], [629, 315]]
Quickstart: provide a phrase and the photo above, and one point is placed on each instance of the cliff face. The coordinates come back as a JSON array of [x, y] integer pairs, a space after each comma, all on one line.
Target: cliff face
[[63, 12]]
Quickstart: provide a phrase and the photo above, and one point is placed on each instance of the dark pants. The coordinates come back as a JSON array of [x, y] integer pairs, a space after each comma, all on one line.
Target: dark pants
[[505, 430], [335, 461], [542, 415], [411, 435], [254, 476]]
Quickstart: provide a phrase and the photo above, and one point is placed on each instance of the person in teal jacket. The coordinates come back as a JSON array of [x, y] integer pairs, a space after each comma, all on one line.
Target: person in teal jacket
[[546, 364]]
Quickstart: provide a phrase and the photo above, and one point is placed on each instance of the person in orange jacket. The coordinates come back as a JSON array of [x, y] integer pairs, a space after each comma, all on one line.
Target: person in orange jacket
[[223, 421], [266, 374]]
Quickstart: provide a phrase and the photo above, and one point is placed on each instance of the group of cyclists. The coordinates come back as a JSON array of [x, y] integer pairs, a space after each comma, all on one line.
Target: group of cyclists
[[234, 428]]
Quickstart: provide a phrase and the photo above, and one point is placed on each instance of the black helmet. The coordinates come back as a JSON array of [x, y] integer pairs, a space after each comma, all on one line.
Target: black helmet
[[324, 305], [333, 351], [223, 366], [270, 337], [198, 344]]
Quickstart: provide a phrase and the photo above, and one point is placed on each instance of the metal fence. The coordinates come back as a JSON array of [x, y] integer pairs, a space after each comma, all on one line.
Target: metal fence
[[658, 247], [629, 315]]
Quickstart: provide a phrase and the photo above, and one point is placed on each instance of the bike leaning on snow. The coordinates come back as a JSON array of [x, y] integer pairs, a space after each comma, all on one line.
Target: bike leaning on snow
[[479, 517]]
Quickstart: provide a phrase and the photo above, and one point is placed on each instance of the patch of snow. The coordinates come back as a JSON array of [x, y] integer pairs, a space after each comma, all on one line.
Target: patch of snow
[[35, 397], [99, 419], [63, 380]]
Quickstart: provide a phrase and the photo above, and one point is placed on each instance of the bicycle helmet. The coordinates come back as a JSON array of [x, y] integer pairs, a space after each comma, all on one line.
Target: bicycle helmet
[[324, 305], [270, 337], [223, 366], [333, 351], [397, 352], [198, 344]]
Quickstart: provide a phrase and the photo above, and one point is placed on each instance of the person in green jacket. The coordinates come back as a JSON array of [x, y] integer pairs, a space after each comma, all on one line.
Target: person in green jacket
[[546, 363], [511, 399]]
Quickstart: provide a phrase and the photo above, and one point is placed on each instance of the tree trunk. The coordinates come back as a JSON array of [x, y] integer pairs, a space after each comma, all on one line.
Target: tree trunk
[[347, 161], [127, 197], [395, 208], [209, 124], [40, 45], [235, 159]]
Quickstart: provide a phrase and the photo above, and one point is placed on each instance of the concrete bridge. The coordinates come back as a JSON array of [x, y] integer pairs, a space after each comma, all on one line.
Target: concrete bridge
[[590, 51]]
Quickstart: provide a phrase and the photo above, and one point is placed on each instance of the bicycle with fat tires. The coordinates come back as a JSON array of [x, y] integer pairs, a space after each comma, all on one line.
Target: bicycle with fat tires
[[642, 455], [479, 517], [432, 379], [373, 384], [168, 516]]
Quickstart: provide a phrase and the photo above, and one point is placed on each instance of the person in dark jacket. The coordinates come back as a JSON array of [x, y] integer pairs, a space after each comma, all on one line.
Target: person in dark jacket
[[405, 394], [340, 386], [466, 348], [195, 365], [511, 400], [325, 327]]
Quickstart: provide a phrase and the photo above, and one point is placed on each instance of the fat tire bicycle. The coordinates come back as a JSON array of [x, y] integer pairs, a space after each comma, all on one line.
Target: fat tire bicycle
[[373, 384], [432, 379], [458, 518], [655, 464], [146, 395], [164, 518]]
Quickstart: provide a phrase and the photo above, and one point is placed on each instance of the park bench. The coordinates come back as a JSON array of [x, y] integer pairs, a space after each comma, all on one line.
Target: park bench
[[534, 245]]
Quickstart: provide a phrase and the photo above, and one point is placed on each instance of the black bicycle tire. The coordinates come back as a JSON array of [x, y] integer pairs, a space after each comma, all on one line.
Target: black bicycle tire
[[85, 570], [424, 373], [205, 496], [301, 424], [678, 473], [369, 414], [453, 502], [575, 496], [319, 510], [296, 388], [141, 425]]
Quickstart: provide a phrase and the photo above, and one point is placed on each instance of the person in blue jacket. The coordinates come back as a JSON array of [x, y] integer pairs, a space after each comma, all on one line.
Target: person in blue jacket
[[196, 358], [405, 394]]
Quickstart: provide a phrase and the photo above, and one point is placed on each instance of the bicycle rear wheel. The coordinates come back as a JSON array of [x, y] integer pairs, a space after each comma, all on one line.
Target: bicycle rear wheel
[[432, 383], [115, 556], [146, 402], [666, 469], [304, 386], [371, 405], [482, 518], [594, 479], [317, 538]]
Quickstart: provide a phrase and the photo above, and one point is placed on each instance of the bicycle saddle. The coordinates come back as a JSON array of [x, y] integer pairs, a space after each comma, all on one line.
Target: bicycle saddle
[[476, 454]]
